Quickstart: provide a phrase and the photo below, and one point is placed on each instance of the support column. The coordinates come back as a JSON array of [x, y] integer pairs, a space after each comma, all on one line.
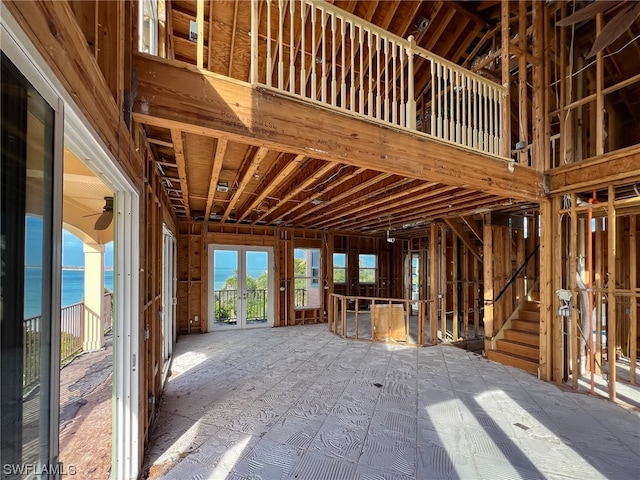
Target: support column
[[488, 281], [92, 332]]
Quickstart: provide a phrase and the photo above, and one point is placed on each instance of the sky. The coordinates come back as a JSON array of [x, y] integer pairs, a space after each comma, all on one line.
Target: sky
[[72, 254]]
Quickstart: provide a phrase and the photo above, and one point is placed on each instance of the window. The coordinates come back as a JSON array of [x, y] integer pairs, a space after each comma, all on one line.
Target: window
[[315, 267], [148, 26], [367, 268], [339, 268], [307, 277]]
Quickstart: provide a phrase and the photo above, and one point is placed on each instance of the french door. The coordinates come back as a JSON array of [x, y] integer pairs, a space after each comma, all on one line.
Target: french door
[[240, 287]]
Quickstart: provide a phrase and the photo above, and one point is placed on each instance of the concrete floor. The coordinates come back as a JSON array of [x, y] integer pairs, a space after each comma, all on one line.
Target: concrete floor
[[299, 402]]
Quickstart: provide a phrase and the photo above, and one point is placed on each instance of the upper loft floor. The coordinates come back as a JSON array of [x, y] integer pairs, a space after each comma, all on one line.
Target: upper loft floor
[[335, 107]]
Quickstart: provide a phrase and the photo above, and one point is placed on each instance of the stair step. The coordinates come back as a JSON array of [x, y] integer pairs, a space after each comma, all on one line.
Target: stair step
[[516, 348], [530, 306], [527, 315], [525, 325], [514, 361], [522, 337]]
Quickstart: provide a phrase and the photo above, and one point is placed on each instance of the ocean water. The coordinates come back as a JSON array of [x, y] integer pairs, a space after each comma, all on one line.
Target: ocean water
[[72, 288]]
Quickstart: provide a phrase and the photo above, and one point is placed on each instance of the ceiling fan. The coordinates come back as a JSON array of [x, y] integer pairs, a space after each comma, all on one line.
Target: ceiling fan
[[106, 217], [628, 12]]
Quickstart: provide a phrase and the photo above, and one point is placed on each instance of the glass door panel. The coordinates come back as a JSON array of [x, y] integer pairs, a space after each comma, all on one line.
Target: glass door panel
[[225, 288], [241, 287], [256, 288]]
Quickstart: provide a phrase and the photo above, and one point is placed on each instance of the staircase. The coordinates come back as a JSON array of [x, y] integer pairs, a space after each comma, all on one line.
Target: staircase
[[517, 344]]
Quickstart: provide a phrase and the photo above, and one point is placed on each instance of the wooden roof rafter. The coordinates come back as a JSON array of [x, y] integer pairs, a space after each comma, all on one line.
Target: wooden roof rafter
[[245, 174]]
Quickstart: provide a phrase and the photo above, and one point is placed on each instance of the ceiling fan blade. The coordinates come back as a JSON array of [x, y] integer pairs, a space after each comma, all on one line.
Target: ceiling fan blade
[[586, 13], [615, 27], [104, 221]]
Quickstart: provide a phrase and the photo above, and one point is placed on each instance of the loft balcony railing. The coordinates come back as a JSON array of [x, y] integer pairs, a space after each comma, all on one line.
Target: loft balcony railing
[[316, 51]]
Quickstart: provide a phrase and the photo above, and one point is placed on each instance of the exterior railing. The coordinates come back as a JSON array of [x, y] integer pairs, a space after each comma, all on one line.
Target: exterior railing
[[71, 338], [314, 50], [300, 297], [71, 331], [226, 305]]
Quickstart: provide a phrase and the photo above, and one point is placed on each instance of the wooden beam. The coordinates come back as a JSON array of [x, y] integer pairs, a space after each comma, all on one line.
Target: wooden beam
[[462, 235], [174, 95], [282, 176], [473, 226], [162, 143], [443, 282], [244, 180], [369, 205], [178, 147], [454, 289], [599, 94], [458, 7], [616, 167], [216, 167], [321, 172]]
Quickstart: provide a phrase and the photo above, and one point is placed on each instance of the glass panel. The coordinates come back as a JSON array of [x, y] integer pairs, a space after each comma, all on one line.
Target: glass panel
[[367, 268], [256, 287], [307, 277], [25, 272], [225, 277], [339, 267]]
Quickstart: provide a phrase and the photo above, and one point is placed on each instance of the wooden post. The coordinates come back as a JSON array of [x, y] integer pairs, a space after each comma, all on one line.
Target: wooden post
[[556, 259], [465, 293], [573, 259], [539, 117], [487, 236], [433, 284], [443, 282], [454, 290], [546, 290], [506, 101], [599, 94], [200, 42], [523, 127], [520, 257], [633, 285], [612, 342], [476, 297]]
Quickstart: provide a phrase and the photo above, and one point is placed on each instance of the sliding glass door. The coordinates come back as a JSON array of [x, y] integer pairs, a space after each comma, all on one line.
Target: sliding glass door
[[30, 233], [240, 287]]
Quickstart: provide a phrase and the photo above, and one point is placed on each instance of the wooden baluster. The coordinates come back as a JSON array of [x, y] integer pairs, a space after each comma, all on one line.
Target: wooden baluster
[[352, 90], [269, 67], [378, 99], [385, 43], [403, 109], [324, 57], [292, 53], [361, 76], [280, 45], [370, 93], [433, 97], [314, 49], [334, 84], [394, 101], [303, 53], [343, 83]]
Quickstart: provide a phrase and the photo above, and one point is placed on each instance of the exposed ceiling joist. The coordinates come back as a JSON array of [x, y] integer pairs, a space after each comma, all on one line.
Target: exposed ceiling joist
[[218, 157], [178, 147]]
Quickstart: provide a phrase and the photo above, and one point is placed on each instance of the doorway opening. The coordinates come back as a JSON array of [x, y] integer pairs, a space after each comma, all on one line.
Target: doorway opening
[[241, 287]]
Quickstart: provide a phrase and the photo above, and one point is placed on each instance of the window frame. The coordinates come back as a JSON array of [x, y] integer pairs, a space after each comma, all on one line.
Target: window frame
[[365, 269], [344, 269]]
